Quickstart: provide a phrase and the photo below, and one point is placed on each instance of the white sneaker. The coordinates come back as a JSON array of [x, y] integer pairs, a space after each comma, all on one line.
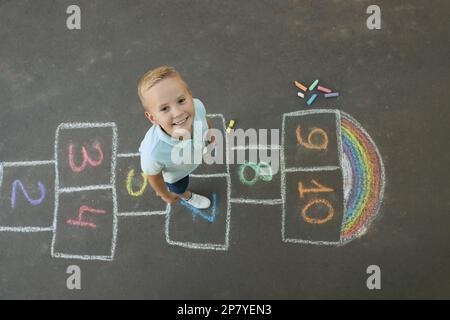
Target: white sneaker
[[198, 201]]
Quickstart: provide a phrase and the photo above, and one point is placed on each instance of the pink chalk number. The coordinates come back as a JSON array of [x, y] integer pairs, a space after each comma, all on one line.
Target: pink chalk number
[[86, 158], [80, 222]]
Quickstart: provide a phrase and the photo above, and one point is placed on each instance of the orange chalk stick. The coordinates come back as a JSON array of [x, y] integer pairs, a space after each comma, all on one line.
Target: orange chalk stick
[[300, 86]]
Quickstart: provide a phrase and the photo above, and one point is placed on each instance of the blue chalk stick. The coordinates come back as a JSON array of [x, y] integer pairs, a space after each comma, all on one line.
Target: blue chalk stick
[[331, 95], [311, 100]]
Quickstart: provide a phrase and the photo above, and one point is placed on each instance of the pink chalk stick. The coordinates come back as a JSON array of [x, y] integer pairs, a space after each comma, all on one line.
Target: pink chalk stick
[[323, 89]]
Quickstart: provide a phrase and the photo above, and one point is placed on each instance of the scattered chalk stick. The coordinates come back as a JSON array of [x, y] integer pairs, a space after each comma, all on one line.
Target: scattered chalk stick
[[230, 126], [331, 95], [301, 95], [300, 86], [314, 84], [311, 100], [323, 89]]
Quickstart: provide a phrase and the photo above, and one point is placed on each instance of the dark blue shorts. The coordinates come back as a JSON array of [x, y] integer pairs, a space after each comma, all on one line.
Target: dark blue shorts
[[180, 186]]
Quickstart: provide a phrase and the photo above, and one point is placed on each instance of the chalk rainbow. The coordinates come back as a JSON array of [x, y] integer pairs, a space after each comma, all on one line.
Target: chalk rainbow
[[363, 178]]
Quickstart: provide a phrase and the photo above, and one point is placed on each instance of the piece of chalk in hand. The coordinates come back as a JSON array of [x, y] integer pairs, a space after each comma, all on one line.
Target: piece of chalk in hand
[[311, 100], [300, 86], [331, 95], [313, 85], [301, 95], [323, 89]]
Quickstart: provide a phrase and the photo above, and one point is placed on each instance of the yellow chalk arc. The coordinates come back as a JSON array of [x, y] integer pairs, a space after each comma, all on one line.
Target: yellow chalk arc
[[141, 191]]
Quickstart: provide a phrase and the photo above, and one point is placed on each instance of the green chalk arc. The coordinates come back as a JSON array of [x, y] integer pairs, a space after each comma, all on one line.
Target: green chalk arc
[[263, 171]]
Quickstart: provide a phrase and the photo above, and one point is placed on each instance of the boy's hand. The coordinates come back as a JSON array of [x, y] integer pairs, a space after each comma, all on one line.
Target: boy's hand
[[171, 198], [211, 137]]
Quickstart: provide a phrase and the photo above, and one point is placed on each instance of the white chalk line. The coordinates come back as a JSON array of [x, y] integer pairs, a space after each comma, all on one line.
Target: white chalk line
[[308, 169], [340, 155], [85, 125], [257, 147], [128, 155], [1, 178], [209, 175], [55, 209], [329, 243], [141, 214], [227, 160], [26, 229], [257, 201], [28, 163], [283, 178], [215, 115], [202, 246], [86, 188], [81, 257], [228, 217], [311, 111], [115, 144]]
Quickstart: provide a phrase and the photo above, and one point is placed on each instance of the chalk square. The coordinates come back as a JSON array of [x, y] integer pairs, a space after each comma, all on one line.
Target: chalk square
[[134, 193], [218, 123], [318, 205], [246, 185], [27, 196], [201, 229], [81, 241], [74, 142], [310, 139]]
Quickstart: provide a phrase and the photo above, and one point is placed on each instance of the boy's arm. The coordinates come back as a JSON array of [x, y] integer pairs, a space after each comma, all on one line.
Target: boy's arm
[[157, 183], [211, 137]]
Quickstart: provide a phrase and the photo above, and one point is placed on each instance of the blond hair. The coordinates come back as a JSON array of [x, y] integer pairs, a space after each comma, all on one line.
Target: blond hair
[[152, 77]]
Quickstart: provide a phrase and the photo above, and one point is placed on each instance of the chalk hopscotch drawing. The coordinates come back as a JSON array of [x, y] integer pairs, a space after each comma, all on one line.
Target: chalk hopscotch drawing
[[362, 171], [208, 215], [359, 160]]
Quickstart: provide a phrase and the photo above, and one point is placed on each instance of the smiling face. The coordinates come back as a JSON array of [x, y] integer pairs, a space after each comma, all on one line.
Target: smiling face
[[169, 104]]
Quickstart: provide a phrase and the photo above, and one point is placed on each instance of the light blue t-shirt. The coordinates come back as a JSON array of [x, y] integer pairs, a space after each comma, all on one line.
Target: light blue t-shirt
[[175, 159]]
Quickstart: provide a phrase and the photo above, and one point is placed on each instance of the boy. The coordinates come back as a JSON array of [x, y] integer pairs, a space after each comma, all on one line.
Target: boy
[[176, 118]]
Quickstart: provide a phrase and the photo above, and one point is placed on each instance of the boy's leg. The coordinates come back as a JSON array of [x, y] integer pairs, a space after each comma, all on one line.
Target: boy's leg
[[179, 187], [195, 200]]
